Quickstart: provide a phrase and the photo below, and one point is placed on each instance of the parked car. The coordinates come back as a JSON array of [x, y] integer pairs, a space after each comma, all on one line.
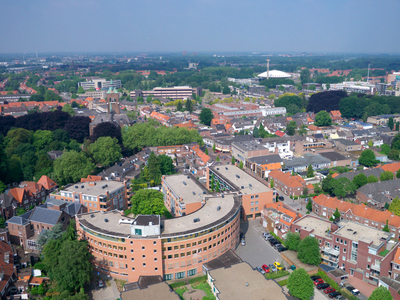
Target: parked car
[[100, 284], [272, 267], [274, 242], [269, 238], [329, 290], [277, 245], [334, 295], [259, 269], [281, 248], [318, 281], [243, 242], [353, 290], [281, 198], [313, 278], [278, 266], [265, 268], [266, 234], [323, 286]]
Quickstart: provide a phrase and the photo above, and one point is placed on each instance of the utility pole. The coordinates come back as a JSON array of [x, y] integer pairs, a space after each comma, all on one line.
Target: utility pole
[[368, 74], [268, 68]]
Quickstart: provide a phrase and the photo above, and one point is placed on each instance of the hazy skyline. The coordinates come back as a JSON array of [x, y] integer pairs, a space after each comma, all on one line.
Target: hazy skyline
[[359, 26]]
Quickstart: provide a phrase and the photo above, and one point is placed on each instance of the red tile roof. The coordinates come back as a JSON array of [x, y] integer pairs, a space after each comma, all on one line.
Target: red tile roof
[[394, 167], [18, 194], [91, 178], [279, 133], [287, 178], [279, 207], [47, 182], [359, 210]]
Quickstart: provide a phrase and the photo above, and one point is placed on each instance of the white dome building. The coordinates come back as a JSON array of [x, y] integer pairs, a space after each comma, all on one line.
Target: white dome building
[[275, 74]]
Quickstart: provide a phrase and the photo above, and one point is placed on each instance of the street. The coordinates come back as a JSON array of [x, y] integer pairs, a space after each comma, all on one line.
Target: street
[[257, 250]]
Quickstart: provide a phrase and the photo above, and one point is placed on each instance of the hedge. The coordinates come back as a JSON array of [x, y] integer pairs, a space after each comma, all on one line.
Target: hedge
[[277, 237], [283, 282], [278, 274], [177, 284], [198, 279]]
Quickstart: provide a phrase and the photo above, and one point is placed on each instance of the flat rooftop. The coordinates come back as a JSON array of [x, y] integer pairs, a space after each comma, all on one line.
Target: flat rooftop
[[99, 187], [156, 291], [266, 159], [249, 145], [186, 187], [318, 224], [333, 156], [241, 281], [355, 231], [245, 182], [306, 160], [215, 211]]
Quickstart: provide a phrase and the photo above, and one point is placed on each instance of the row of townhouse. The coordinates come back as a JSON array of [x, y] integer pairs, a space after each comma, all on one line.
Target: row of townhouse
[[28, 194]]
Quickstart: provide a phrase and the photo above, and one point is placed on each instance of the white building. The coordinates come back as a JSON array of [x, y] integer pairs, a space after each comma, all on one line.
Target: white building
[[272, 111], [274, 74]]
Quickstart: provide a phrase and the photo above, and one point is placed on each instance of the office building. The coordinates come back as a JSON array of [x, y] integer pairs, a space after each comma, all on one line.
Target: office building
[[98, 83]]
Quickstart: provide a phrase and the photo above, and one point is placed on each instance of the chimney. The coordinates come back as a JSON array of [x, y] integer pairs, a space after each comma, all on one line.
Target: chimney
[[92, 183]]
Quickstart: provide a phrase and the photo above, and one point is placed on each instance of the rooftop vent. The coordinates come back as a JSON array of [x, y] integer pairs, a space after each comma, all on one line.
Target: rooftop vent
[[222, 196], [76, 186], [196, 220], [194, 193], [237, 176], [104, 186], [92, 215], [242, 187], [354, 232], [106, 220], [218, 208], [226, 168], [204, 192], [250, 185], [217, 168], [188, 177], [184, 183]]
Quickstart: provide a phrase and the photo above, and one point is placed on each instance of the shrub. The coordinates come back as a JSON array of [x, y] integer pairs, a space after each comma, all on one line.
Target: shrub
[[177, 284]]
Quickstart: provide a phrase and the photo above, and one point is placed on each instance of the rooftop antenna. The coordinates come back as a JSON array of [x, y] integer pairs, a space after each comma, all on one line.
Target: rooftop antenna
[[368, 74]]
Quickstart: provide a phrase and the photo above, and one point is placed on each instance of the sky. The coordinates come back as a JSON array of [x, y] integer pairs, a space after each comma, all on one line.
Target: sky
[[316, 26]]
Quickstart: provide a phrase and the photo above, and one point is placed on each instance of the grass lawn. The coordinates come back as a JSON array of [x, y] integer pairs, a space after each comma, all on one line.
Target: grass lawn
[[283, 282], [205, 287], [181, 291]]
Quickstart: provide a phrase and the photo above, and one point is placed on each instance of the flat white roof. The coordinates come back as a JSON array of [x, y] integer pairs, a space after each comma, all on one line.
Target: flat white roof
[[275, 74]]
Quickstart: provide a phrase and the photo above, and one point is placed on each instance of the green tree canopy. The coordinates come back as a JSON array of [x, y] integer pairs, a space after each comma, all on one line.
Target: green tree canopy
[[310, 171], [360, 180], [42, 138], [67, 108], [396, 142], [308, 251], [381, 293], [292, 240], [394, 154], [291, 128], [189, 105], [335, 216], [372, 179], [309, 205], [105, 150], [71, 167], [148, 202], [367, 158], [322, 118], [387, 175], [206, 115], [300, 285]]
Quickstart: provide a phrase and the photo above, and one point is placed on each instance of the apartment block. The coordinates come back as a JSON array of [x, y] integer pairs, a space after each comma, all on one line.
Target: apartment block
[[183, 194], [288, 184], [247, 149], [98, 83], [104, 195], [254, 193]]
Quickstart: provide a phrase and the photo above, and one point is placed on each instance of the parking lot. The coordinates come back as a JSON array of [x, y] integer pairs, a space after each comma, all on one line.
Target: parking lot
[[257, 251]]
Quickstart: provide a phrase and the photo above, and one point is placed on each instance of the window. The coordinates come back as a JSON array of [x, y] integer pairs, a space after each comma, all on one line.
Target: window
[[337, 240], [369, 259], [143, 248], [257, 198], [344, 250], [252, 197], [252, 203], [144, 264], [168, 276], [192, 272], [169, 248], [368, 267], [133, 269], [256, 202], [132, 259], [143, 256], [155, 258], [345, 242], [155, 250], [256, 208], [252, 209], [341, 241], [179, 275], [154, 242]]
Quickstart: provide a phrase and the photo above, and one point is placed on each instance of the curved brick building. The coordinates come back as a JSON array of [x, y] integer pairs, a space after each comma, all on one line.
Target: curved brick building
[[127, 248]]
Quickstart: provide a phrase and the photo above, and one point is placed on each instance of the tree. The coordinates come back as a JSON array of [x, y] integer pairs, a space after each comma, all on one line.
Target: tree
[[310, 171], [255, 132], [179, 106], [71, 167], [148, 202], [302, 130], [67, 108], [381, 293], [81, 90], [360, 180], [396, 142], [53, 234], [336, 216], [233, 160], [106, 129], [292, 240], [3, 187], [226, 90], [398, 173], [372, 179], [322, 118], [241, 165], [218, 159], [208, 97], [105, 150], [300, 285], [367, 158], [393, 154], [308, 251], [370, 143], [328, 86], [213, 147], [390, 123], [42, 138], [189, 105], [386, 227], [305, 76], [397, 126], [153, 166], [206, 151], [385, 149], [387, 175], [327, 101], [309, 205], [394, 207], [217, 189], [206, 116], [291, 128], [166, 165], [271, 183]]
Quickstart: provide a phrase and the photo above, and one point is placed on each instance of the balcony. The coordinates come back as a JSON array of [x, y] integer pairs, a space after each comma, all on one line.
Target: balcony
[[329, 258], [330, 251], [376, 268]]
